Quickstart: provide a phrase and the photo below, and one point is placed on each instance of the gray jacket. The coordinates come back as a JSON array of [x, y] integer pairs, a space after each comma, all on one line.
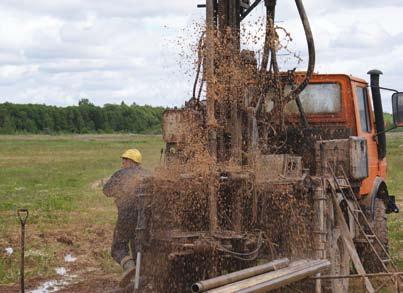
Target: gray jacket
[[124, 184]]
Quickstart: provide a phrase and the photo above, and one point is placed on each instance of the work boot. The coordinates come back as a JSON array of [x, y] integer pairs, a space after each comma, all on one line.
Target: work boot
[[129, 270], [128, 289]]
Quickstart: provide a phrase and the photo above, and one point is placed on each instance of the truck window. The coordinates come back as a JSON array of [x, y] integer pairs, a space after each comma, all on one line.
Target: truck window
[[318, 98], [362, 97]]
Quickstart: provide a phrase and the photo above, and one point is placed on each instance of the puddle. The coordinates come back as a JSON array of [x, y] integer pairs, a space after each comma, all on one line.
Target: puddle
[[61, 271], [69, 258], [9, 251], [56, 285], [35, 253]]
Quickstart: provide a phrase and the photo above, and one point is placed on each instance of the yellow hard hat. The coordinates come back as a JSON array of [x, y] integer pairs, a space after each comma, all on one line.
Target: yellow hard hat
[[132, 154]]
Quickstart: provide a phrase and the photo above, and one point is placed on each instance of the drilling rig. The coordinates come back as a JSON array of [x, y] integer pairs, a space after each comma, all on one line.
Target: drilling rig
[[274, 179]]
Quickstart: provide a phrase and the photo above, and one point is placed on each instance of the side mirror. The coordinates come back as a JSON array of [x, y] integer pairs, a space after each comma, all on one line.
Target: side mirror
[[397, 106]]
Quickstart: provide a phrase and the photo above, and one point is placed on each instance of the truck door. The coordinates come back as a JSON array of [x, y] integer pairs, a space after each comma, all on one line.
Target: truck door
[[365, 129]]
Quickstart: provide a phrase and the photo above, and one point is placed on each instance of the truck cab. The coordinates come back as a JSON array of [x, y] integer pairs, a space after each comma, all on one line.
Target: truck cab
[[344, 101]]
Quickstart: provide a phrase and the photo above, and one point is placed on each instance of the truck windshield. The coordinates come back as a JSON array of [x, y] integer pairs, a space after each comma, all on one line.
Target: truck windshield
[[318, 98]]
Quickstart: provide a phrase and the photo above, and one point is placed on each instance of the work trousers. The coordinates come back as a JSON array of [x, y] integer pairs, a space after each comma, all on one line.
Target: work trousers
[[125, 231]]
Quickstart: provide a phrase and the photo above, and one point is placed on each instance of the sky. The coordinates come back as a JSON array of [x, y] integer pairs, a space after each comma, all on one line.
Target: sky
[[57, 52]]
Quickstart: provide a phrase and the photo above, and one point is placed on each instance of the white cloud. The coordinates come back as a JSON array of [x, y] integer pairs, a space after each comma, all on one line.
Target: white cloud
[[57, 52]]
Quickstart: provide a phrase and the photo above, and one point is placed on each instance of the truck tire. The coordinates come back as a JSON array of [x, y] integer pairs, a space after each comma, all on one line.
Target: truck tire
[[381, 223], [338, 255], [341, 263], [380, 228]]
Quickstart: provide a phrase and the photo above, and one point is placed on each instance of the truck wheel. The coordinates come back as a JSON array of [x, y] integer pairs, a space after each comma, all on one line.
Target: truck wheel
[[380, 228], [341, 263], [338, 255]]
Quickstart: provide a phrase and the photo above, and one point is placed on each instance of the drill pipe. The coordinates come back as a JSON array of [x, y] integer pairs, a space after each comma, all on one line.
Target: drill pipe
[[273, 280], [203, 286]]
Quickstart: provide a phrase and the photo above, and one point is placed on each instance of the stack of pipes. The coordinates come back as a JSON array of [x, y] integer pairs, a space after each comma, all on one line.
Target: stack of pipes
[[263, 278]]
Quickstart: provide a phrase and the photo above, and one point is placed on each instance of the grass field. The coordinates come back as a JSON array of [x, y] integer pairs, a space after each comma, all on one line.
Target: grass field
[[59, 179], [395, 185]]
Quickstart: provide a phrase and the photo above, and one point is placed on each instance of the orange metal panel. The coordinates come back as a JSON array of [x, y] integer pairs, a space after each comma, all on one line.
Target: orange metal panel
[[376, 167]]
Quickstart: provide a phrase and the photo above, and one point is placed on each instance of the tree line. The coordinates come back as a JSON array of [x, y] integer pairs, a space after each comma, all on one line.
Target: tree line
[[84, 118], [389, 122]]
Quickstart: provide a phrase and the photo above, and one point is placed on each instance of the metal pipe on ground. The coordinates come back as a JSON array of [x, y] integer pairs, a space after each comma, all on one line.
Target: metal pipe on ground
[[220, 281], [273, 280]]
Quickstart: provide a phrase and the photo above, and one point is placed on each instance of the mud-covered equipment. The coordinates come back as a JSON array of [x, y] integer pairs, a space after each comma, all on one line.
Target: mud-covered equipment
[[251, 173], [134, 155]]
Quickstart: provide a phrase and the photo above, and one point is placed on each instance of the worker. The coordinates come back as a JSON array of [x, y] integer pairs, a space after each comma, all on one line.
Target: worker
[[123, 187]]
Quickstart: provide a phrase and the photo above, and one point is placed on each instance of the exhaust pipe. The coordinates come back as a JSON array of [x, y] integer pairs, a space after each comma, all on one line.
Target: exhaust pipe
[[378, 109]]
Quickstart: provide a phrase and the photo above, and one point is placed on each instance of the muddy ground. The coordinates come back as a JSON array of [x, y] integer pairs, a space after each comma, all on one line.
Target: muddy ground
[[89, 283]]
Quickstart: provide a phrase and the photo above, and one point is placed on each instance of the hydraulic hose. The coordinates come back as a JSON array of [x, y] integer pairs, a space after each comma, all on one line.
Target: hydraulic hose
[[199, 65], [311, 52]]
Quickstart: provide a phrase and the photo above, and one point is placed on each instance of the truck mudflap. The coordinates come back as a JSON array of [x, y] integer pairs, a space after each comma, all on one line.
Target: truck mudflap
[[380, 190], [392, 207]]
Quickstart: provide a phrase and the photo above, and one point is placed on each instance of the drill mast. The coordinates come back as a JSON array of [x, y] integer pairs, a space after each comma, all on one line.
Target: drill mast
[[238, 92]]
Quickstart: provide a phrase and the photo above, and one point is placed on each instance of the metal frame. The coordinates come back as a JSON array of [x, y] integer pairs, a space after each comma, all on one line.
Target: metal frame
[[250, 9], [243, 14]]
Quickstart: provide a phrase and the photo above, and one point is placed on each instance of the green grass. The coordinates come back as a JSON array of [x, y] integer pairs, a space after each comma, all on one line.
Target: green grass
[[395, 186], [55, 177]]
